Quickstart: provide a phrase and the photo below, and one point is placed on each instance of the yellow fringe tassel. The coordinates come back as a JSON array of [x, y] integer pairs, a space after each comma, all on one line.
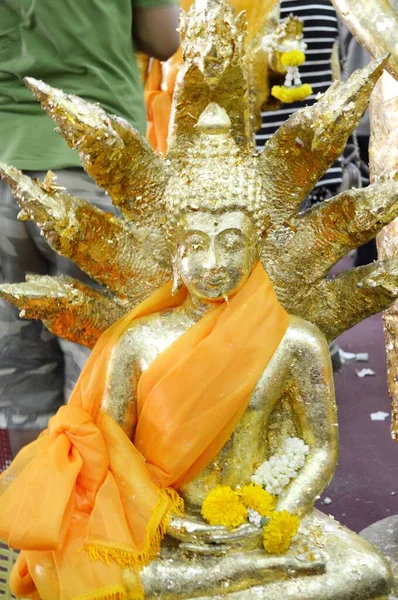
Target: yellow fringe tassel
[[287, 95], [113, 592], [155, 532]]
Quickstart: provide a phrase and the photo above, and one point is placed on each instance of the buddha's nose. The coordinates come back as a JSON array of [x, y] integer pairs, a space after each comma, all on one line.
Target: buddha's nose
[[211, 260]]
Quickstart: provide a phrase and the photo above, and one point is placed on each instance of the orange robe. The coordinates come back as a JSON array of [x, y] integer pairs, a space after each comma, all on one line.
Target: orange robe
[[84, 501]]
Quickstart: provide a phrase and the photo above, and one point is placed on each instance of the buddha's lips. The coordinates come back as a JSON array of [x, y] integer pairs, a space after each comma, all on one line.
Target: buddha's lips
[[214, 282]]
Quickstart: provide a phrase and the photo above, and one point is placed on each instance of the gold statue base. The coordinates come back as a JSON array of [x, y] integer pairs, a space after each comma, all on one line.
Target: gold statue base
[[384, 536]]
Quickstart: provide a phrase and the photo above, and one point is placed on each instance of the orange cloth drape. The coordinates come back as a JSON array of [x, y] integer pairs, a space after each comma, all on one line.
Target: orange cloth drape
[[159, 89], [158, 108], [83, 501]]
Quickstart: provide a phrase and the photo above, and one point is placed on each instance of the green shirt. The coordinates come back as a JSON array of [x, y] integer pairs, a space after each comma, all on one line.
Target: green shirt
[[84, 47]]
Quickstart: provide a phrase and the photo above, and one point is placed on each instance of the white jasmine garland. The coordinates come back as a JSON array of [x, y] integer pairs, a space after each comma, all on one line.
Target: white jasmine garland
[[274, 474], [254, 517]]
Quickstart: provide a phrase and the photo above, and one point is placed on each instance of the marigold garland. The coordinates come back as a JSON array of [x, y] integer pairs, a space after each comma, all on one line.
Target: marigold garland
[[223, 506], [280, 531], [287, 95], [255, 497]]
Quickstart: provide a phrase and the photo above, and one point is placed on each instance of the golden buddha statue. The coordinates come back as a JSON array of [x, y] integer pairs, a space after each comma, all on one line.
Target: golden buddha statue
[[220, 211]]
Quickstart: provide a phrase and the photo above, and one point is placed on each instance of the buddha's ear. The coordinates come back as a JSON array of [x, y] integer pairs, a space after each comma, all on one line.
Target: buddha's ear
[[177, 281], [263, 229]]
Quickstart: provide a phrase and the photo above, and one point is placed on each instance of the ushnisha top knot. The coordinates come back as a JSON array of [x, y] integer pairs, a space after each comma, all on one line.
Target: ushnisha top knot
[[213, 120], [215, 176]]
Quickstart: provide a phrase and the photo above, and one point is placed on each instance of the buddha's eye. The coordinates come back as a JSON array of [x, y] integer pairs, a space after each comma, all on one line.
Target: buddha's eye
[[196, 243], [231, 241]]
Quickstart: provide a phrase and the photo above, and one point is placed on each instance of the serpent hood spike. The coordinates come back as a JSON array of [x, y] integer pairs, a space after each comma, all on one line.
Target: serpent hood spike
[[212, 39], [304, 147], [374, 24], [112, 152]]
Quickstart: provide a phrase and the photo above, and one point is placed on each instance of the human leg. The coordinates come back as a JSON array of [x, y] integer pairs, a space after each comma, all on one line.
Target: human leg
[[77, 183], [31, 362]]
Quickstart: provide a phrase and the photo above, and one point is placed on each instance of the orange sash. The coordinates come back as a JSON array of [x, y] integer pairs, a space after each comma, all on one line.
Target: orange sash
[[83, 501], [159, 88]]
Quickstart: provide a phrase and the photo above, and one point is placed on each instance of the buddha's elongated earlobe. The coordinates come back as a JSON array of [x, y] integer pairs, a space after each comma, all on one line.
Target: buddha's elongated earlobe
[[177, 281]]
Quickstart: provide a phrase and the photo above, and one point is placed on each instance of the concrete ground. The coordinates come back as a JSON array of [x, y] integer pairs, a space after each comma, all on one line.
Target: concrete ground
[[365, 487]]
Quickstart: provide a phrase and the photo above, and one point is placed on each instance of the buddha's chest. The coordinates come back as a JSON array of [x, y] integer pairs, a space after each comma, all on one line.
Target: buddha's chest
[[153, 337], [248, 445], [245, 451]]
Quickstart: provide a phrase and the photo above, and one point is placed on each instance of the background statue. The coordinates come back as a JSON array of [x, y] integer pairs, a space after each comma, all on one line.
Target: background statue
[[379, 39], [375, 25], [208, 216]]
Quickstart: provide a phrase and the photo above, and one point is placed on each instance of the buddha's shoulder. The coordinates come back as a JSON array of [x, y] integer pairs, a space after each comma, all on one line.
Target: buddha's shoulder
[[156, 330]]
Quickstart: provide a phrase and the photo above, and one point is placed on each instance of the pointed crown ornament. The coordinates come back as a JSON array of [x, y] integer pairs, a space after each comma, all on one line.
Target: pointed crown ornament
[[291, 29]]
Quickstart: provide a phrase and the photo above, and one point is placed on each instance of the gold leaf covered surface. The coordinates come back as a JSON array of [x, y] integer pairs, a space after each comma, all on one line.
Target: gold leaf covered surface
[[112, 152], [68, 308], [130, 261], [374, 23], [384, 163]]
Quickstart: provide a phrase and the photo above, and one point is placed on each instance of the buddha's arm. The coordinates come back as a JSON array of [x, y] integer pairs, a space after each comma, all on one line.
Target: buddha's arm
[[315, 411], [120, 389]]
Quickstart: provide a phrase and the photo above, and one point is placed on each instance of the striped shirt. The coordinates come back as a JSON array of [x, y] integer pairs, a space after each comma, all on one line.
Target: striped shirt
[[321, 31]]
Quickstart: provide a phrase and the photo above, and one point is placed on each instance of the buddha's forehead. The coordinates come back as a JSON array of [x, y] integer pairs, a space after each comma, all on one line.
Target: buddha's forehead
[[214, 223]]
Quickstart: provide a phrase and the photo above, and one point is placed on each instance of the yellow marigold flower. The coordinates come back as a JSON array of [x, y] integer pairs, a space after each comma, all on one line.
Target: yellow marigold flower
[[222, 506], [291, 94], [278, 534], [255, 497], [293, 58]]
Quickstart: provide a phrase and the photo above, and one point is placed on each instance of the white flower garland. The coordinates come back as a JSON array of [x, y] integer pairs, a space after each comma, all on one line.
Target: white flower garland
[[274, 474], [254, 517]]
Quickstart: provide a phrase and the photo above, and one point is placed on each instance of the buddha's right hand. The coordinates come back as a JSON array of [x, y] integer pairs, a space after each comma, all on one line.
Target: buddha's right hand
[[191, 529]]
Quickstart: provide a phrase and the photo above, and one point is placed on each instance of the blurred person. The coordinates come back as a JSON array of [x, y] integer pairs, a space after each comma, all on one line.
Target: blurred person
[[322, 36], [85, 48]]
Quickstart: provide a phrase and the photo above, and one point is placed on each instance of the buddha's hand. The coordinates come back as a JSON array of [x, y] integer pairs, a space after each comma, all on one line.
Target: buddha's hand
[[199, 538], [192, 529]]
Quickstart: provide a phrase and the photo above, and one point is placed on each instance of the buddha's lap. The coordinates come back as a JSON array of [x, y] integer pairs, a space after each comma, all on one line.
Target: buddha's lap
[[327, 562]]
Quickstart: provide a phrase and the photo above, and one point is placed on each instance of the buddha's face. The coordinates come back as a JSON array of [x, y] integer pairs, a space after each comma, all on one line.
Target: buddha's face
[[215, 253]]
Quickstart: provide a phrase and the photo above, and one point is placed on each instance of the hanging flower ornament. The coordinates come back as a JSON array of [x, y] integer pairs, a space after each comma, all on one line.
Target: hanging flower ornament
[[287, 49]]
